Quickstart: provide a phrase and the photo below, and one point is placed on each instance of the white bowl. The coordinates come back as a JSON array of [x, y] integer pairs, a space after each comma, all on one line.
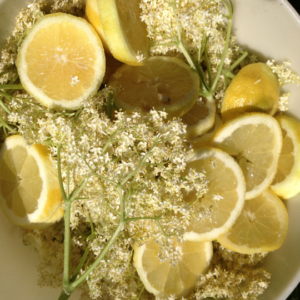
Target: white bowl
[[270, 29]]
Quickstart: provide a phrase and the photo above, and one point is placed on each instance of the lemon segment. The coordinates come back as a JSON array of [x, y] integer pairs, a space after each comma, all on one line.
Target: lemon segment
[[287, 179], [163, 83], [261, 227], [255, 141], [61, 61], [123, 31], [254, 89], [200, 118], [29, 190], [221, 205], [163, 279]]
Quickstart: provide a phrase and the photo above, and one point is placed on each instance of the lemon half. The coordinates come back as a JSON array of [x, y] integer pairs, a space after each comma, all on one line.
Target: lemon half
[[162, 83], [254, 89], [30, 195], [61, 61], [123, 30]]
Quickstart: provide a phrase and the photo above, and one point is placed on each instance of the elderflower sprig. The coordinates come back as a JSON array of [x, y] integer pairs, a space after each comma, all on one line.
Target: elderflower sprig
[[131, 177], [7, 128], [191, 28]]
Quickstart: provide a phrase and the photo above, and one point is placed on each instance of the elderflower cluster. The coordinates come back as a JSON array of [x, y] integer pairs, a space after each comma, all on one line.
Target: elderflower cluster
[[135, 161], [233, 276], [24, 21], [192, 21], [284, 73]]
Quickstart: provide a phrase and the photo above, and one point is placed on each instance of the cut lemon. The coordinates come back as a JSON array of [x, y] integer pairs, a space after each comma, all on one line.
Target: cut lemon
[[206, 138], [163, 279], [30, 195], [254, 89], [123, 30], [61, 61], [163, 83], [286, 183], [255, 141], [200, 118], [221, 205], [93, 17], [261, 227]]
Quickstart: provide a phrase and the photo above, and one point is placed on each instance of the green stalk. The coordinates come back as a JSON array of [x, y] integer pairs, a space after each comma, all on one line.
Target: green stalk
[[67, 248], [64, 296], [6, 126], [11, 87], [238, 61]]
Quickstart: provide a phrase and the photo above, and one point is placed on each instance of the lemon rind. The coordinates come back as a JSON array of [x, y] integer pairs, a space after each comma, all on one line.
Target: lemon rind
[[42, 215], [114, 35]]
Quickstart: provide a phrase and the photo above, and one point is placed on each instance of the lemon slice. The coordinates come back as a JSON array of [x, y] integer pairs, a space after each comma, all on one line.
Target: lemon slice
[[286, 183], [200, 118], [123, 30], [254, 89], [261, 227], [29, 190], [163, 279], [255, 141], [205, 139], [61, 61], [92, 15], [163, 83], [221, 205]]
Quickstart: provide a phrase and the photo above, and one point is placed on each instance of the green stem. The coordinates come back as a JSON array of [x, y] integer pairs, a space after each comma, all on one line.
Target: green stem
[[59, 169], [8, 97], [208, 65], [239, 60], [67, 247], [11, 87], [196, 67], [5, 125], [64, 296]]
